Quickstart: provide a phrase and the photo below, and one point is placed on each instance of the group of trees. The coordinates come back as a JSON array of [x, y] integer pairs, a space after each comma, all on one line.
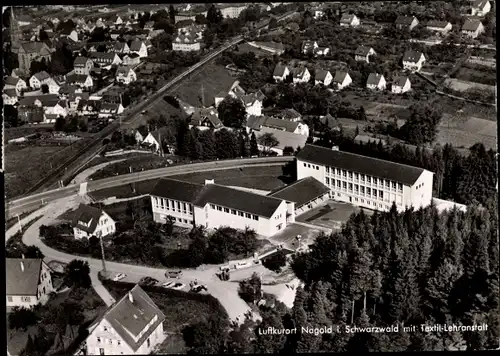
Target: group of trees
[[421, 126]]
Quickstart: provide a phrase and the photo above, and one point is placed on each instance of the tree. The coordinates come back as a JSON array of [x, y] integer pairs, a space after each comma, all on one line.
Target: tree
[[275, 262], [227, 144], [22, 318], [60, 123], [250, 290], [273, 23], [198, 249], [214, 16], [268, 141], [171, 13], [421, 127], [77, 274], [254, 148], [232, 113], [42, 35], [207, 337], [10, 115], [45, 89]]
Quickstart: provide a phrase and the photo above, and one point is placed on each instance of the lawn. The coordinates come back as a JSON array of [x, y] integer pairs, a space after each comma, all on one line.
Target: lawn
[[264, 178], [462, 85], [464, 131], [210, 80], [180, 308], [16, 132]]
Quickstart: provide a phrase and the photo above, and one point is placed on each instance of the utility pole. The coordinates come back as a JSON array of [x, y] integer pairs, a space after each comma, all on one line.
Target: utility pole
[[202, 95], [20, 225], [102, 253]]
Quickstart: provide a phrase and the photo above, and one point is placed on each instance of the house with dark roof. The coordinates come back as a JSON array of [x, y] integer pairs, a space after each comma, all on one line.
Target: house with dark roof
[[256, 123], [280, 72], [364, 181], [28, 282], [131, 59], [376, 81], [131, 326], [290, 115], [413, 60], [400, 84], [82, 65], [480, 8], [406, 22], [309, 46], [15, 83], [105, 60], [322, 77], [9, 97], [472, 28], [125, 75], [213, 206], [38, 79], [285, 139], [109, 110], [363, 53], [84, 81], [30, 51], [90, 221], [251, 101], [302, 195], [349, 20], [87, 107], [139, 47], [153, 139], [121, 47], [301, 75], [69, 33], [330, 122], [439, 26], [341, 80], [205, 118]]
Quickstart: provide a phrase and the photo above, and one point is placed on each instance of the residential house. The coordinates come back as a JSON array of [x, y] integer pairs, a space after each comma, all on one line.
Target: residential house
[[480, 8], [309, 46], [139, 47], [363, 54], [28, 282], [125, 75], [113, 95], [330, 122], [322, 77], [38, 79], [90, 221], [251, 101], [115, 34], [69, 34], [280, 72], [31, 114], [349, 20], [290, 115], [413, 60], [80, 80], [116, 20], [59, 109], [301, 75], [109, 110], [87, 107], [184, 16], [32, 51], [376, 81], [121, 47], [15, 83], [131, 59], [285, 139], [105, 60], [82, 65], [400, 84], [472, 28], [54, 86], [376, 184], [255, 123], [342, 80], [74, 100], [406, 22], [439, 26], [149, 25], [206, 118], [186, 42], [154, 138], [9, 97], [272, 47], [231, 11], [132, 326]]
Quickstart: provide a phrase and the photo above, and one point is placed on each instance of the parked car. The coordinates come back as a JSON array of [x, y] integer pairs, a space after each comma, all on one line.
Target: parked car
[[148, 281], [173, 274], [178, 286], [167, 284], [119, 277], [199, 288]]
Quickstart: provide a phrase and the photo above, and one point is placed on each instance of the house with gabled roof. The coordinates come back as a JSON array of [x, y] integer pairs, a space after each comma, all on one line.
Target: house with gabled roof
[[9, 97], [322, 77], [80, 80], [363, 54], [480, 8], [290, 115], [341, 80], [121, 47], [256, 123], [131, 326], [349, 20], [186, 42], [110, 109], [251, 101], [70, 34], [90, 221], [205, 118], [301, 75], [139, 47], [406, 22], [30, 51], [105, 60], [472, 28], [125, 75], [82, 65], [154, 139], [15, 83], [38, 79], [285, 139], [413, 60], [88, 107], [400, 84], [280, 72], [439, 26], [376, 81], [309, 46], [131, 59], [28, 282]]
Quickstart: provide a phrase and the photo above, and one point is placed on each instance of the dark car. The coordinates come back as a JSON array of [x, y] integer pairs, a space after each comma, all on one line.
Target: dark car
[[148, 281], [199, 288], [173, 274]]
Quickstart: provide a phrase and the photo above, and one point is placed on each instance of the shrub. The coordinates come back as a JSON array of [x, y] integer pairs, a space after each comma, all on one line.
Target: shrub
[[22, 318], [275, 261], [250, 290]]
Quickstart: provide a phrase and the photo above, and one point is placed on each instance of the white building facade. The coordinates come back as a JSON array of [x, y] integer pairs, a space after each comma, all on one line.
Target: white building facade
[[89, 221]]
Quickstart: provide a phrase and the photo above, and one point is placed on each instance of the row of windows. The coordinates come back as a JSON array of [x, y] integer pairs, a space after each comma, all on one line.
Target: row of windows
[[171, 204], [370, 202], [362, 177], [357, 188], [386, 187], [308, 165], [110, 341], [234, 212]]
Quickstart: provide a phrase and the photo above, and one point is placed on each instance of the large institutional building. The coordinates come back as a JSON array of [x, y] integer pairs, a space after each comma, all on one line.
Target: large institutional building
[[364, 181]]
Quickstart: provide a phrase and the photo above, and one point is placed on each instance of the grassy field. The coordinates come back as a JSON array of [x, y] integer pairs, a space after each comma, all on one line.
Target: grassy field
[[214, 79], [16, 132], [462, 85], [264, 178], [462, 131]]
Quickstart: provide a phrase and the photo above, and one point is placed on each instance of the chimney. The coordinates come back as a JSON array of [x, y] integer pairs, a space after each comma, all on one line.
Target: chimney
[[335, 148], [130, 297], [22, 266], [209, 181]]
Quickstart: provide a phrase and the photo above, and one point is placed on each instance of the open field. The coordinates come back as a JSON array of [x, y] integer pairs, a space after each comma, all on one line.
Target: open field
[[213, 78], [462, 85], [467, 131], [16, 132]]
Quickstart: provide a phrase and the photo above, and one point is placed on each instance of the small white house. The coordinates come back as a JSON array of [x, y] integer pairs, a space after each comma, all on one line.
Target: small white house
[[80, 80], [363, 54], [82, 65], [480, 8], [38, 79], [280, 73], [139, 47], [322, 77], [28, 282], [376, 81], [15, 83], [309, 46], [131, 59], [406, 22], [342, 80], [125, 75], [400, 85], [413, 60], [110, 109], [349, 20], [89, 221], [472, 28], [301, 75], [439, 26], [9, 97], [54, 87], [122, 47]]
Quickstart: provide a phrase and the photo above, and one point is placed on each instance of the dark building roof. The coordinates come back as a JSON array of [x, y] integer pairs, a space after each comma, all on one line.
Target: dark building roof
[[362, 51], [86, 214], [320, 74], [479, 4], [302, 191], [279, 71], [362, 164], [329, 121], [404, 20], [136, 45], [177, 190], [21, 282], [299, 72], [471, 25], [46, 100], [339, 77], [130, 317], [374, 79], [437, 24], [202, 114], [10, 92], [412, 56], [11, 80], [400, 81], [290, 114], [76, 78]]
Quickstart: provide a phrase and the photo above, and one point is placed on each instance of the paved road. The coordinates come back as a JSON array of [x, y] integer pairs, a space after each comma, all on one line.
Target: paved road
[[31, 202]]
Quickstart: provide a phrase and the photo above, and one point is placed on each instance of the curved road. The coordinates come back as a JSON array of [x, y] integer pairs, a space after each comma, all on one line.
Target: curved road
[[32, 202]]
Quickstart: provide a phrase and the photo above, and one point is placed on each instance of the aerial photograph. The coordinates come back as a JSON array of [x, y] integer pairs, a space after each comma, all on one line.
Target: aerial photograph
[[250, 178]]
